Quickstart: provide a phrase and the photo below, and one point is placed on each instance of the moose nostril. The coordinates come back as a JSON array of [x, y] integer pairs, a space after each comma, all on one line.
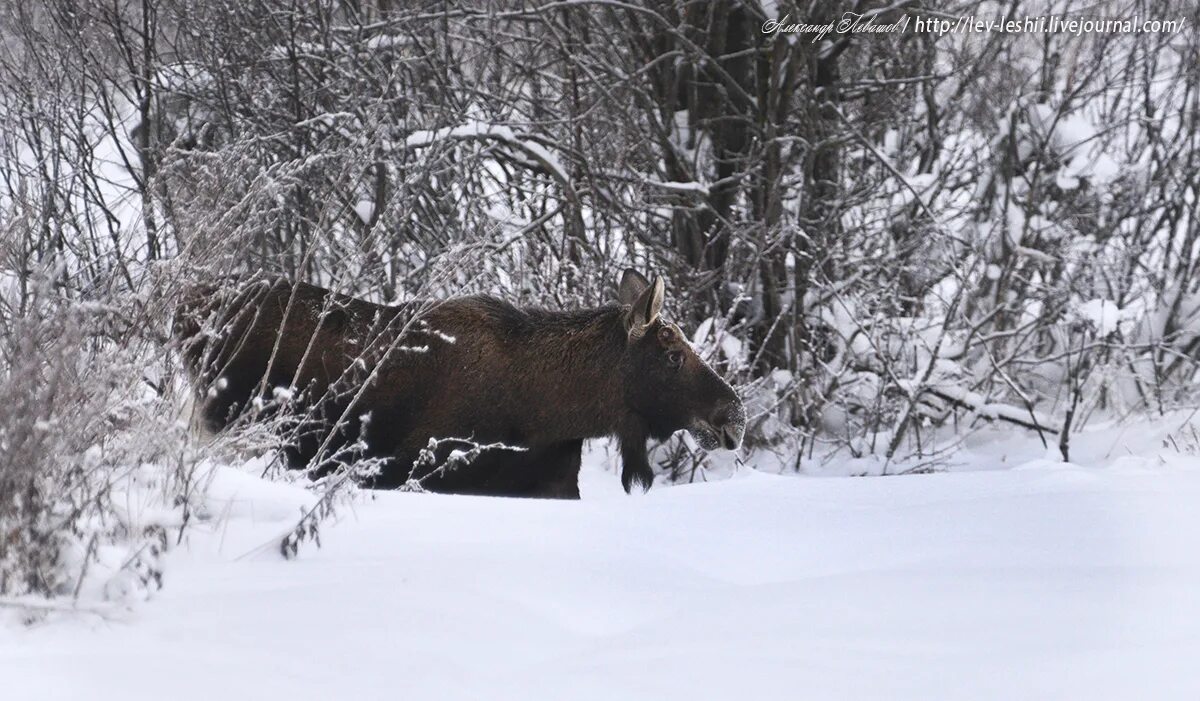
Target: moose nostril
[[727, 416]]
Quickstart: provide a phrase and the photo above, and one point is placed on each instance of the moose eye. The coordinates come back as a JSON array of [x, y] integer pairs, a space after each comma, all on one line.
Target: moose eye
[[675, 358]]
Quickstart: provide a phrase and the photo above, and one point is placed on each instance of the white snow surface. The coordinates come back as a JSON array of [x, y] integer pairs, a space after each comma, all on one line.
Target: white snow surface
[[1013, 576], [1104, 314]]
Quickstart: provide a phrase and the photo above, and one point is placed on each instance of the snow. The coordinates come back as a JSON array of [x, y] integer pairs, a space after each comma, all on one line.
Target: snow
[[387, 41], [472, 129], [978, 404], [365, 209], [1076, 138], [681, 187], [712, 331], [1104, 314], [1045, 580]]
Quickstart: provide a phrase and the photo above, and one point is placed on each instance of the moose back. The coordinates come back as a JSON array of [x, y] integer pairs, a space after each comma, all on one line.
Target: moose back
[[522, 387]]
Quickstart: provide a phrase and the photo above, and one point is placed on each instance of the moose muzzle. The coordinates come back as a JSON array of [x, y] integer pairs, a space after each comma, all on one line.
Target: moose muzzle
[[724, 428]]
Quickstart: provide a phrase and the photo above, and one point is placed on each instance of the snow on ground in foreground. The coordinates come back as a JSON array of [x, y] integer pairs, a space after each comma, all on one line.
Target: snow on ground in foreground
[[1045, 580]]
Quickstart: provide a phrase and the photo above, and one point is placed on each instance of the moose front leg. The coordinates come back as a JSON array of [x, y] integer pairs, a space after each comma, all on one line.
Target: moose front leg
[[635, 466]]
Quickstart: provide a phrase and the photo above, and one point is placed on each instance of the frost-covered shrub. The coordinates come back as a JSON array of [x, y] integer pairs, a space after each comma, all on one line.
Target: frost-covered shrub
[[95, 464]]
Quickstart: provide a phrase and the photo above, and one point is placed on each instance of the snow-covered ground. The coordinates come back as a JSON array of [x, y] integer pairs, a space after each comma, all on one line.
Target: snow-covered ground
[[1040, 580]]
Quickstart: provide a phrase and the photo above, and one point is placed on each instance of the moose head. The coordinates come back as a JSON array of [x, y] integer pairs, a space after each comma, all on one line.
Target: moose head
[[668, 385]]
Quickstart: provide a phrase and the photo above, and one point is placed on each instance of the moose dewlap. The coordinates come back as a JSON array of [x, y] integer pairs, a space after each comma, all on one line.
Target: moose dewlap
[[506, 394]]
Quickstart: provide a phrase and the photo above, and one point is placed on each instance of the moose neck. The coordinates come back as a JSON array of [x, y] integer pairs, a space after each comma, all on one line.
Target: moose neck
[[578, 377]]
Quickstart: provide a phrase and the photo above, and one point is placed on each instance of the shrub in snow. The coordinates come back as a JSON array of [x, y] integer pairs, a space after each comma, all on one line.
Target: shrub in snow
[[96, 476]]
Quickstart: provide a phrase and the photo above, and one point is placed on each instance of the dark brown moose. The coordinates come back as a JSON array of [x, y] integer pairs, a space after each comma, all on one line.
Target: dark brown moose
[[468, 371]]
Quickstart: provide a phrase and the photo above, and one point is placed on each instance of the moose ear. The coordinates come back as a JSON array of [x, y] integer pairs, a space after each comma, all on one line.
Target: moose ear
[[631, 287], [645, 309]]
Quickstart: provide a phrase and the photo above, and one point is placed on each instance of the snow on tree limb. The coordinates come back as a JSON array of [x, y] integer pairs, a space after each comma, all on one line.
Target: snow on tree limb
[[473, 130], [687, 188], [978, 404]]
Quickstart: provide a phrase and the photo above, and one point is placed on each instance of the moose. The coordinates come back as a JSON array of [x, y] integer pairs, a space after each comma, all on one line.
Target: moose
[[530, 384]]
